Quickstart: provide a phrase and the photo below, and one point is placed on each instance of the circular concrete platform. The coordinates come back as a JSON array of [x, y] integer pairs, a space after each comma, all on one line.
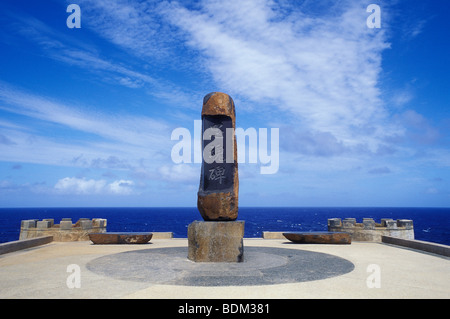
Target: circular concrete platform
[[261, 266]]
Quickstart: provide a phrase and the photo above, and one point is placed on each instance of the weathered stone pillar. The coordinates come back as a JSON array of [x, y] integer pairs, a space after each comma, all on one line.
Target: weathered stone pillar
[[219, 180], [219, 238]]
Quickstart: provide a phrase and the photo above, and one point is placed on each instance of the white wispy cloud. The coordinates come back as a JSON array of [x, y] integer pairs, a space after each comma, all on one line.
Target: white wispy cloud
[[133, 25], [83, 186], [317, 64], [318, 70], [323, 69], [179, 173], [106, 137], [117, 23]]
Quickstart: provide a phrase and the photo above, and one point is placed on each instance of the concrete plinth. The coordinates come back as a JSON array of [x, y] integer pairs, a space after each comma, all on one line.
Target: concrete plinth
[[216, 241]]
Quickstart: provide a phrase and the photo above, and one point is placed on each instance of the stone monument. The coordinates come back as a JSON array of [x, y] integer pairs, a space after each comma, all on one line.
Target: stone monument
[[219, 238]]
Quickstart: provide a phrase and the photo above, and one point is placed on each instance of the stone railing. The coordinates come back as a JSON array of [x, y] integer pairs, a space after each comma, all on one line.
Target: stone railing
[[368, 230], [64, 231]]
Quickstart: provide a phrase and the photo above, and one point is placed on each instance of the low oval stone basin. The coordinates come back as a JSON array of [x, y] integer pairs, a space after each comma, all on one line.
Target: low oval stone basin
[[120, 238], [319, 237]]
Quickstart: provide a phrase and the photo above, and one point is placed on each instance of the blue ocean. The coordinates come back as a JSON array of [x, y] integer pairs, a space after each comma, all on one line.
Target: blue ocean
[[430, 224]]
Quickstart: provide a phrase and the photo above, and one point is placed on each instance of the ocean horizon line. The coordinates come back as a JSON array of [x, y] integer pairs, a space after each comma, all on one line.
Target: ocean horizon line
[[64, 207], [430, 224]]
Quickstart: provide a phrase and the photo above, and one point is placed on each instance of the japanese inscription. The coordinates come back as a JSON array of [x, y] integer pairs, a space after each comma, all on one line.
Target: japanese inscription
[[217, 172]]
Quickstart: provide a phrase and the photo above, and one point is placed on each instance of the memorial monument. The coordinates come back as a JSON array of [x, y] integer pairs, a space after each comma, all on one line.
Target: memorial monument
[[219, 238]]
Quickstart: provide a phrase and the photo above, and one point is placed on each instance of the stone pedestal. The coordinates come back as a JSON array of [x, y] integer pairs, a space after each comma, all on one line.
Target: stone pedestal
[[216, 241]]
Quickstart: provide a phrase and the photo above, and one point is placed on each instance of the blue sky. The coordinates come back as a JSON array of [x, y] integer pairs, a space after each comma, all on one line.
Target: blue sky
[[86, 114]]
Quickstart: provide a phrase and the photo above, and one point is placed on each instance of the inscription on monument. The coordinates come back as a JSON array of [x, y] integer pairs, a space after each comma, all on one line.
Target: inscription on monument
[[217, 173]]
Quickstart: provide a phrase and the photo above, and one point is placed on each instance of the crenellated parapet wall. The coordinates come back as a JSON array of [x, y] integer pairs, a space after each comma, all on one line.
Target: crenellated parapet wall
[[64, 231], [369, 230]]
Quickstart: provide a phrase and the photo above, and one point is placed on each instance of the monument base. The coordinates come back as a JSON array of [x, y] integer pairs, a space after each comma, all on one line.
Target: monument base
[[216, 241]]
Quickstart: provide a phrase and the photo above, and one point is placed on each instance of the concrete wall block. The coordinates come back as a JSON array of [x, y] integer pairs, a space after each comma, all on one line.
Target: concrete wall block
[[384, 221], [334, 222], [407, 223], [29, 223], [24, 244], [272, 235], [430, 247], [65, 224], [79, 221], [86, 224], [368, 223], [349, 222], [162, 235], [51, 220], [43, 224], [391, 224], [99, 222]]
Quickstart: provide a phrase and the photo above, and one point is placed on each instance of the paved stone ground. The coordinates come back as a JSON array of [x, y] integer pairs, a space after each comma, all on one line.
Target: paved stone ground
[[261, 266], [272, 269]]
